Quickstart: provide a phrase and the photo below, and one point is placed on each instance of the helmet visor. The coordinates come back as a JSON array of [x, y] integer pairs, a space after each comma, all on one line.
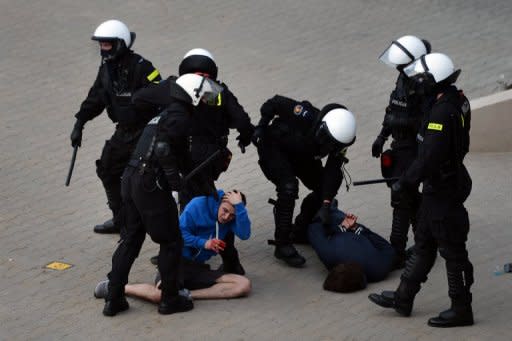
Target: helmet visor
[[325, 142], [211, 89], [396, 55], [419, 66]]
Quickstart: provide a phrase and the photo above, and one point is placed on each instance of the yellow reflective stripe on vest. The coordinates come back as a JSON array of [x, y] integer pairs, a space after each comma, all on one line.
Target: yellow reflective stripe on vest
[[462, 118], [435, 126], [153, 75], [219, 100]]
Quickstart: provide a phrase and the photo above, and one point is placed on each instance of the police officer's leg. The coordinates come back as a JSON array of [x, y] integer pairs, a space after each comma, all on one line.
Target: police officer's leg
[[132, 237], [287, 191], [160, 215], [310, 174], [114, 157], [416, 270], [403, 204], [452, 248], [277, 168]]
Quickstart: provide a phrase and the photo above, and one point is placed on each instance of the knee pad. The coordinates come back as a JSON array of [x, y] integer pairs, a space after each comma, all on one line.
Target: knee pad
[[288, 189]]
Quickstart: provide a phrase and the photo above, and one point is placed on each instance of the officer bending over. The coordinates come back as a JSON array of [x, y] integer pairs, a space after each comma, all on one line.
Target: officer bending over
[[443, 222], [121, 73], [152, 173], [402, 120], [292, 147]]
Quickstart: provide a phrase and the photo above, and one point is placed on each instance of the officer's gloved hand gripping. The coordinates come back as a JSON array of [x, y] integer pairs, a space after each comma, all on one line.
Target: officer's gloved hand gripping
[[76, 134]]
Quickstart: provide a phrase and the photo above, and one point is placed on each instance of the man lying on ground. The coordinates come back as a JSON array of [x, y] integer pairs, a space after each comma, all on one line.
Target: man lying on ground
[[364, 253]]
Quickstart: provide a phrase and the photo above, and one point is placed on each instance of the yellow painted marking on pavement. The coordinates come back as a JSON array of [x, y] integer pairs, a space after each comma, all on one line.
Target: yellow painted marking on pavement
[[58, 266]]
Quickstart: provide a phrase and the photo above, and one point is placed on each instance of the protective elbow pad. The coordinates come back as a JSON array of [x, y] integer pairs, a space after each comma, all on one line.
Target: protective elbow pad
[[162, 149]]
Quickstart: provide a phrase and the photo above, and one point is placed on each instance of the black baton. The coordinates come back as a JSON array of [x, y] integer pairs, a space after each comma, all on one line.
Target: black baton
[[72, 165], [375, 181], [201, 166]]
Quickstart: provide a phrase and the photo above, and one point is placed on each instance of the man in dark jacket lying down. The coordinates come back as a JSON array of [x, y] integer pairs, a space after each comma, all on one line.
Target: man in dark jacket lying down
[[346, 241]]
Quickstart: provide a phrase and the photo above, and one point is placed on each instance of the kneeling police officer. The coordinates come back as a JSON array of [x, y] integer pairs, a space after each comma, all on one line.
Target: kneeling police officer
[[443, 222], [153, 172], [292, 147]]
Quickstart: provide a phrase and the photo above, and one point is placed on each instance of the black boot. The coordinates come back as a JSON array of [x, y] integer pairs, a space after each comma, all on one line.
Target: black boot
[[289, 255], [115, 302], [283, 214], [171, 304], [107, 227], [401, 300], [113, 191], [460, 279], [453, 317], [230, 260]]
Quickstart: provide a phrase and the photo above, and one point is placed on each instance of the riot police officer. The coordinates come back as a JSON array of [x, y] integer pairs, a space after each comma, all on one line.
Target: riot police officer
[[213, 120], [402, 120], [121, 73], [443, 221], [292, 147], [155, 169]]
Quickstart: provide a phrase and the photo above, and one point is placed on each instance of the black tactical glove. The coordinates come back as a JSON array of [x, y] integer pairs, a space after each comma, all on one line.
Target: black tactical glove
[[397, 186], [257, 136], [243, 141], [76, 134], [377, 146]]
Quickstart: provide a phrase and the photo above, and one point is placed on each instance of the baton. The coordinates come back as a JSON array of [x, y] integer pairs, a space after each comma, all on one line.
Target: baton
[[201, 166], [72, 165], [375, 181]]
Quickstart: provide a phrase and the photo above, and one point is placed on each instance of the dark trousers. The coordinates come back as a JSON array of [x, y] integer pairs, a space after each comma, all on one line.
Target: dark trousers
[[406, 203], [283, 169], [114, 157], [147, 208], [443, 225]]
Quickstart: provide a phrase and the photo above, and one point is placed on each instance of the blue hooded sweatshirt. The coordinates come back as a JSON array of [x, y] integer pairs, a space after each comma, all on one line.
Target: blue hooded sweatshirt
[[198, 221]]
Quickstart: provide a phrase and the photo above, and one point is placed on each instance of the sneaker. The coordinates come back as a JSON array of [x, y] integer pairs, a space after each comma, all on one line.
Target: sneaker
[[101, 290]]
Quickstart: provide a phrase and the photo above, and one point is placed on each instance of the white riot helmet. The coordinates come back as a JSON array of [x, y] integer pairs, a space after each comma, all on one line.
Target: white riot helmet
[[193, 88], [432, 72], [199, 61], [404, 51], [337, 129], [116, 33]]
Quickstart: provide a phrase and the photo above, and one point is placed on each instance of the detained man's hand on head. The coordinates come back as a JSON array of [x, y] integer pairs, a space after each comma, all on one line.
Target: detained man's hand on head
[[234, 197]]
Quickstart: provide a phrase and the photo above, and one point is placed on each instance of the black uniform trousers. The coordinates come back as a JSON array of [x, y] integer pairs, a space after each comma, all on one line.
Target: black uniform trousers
[[406, 203], [443, 225], [114, 158], [282, 169], [147, 208]]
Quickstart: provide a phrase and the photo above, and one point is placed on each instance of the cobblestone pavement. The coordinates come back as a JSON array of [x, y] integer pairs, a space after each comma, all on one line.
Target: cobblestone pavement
[[324, 51]]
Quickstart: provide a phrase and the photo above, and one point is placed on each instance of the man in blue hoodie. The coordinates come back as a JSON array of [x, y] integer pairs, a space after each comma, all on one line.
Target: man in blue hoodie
[[204, 223]]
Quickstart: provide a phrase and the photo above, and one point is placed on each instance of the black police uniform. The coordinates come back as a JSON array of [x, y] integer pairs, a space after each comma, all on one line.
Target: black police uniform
[[402, 121], [151, 175], [209, 134], [443, 222], [112, 90], [287, 150]]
